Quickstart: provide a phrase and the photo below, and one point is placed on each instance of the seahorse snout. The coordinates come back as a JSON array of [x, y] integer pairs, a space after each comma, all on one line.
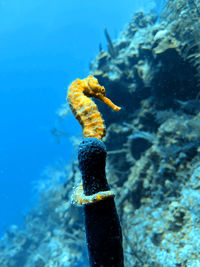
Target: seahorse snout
[[108, 102]]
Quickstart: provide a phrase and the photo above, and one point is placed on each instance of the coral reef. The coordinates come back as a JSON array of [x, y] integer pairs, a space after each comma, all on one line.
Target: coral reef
[[153, 152], [183, 18]]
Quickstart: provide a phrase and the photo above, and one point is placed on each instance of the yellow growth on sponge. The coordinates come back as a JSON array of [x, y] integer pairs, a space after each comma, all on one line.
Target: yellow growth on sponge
[[79, 198], [84, 109]]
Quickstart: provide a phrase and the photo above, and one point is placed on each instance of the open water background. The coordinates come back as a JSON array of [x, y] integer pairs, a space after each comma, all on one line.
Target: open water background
[[44, 46]]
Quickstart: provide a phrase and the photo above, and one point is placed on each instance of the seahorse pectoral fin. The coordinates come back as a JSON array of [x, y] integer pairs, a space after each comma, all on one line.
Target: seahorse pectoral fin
[[108, 102]]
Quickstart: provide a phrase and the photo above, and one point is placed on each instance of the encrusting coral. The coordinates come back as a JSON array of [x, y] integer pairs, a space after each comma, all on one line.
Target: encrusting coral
[[84, 109], [79, 198]]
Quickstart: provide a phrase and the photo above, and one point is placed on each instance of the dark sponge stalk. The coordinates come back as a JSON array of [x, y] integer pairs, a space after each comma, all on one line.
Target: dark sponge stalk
[[103, 230]]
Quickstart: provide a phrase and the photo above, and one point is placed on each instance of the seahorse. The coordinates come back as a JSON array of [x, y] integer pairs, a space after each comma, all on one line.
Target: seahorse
[[84, 109]]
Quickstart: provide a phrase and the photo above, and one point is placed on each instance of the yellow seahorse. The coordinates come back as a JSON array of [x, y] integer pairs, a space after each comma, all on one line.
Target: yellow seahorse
[[84, 109]]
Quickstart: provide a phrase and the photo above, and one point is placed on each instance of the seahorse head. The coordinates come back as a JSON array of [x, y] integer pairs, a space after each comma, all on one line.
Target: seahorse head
[[93, 88]]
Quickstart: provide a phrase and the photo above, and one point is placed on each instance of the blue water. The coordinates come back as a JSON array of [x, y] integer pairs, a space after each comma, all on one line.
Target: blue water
[[44, 45]]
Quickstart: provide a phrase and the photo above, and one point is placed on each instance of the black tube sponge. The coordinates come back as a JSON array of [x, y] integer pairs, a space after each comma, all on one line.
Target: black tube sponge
[[103, 230]]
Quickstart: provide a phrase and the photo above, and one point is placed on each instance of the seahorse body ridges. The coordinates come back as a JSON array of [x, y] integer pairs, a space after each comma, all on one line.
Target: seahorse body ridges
[[84, 109]]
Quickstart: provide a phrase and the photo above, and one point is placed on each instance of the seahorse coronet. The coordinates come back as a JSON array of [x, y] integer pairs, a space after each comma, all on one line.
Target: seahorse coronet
[[84, 109]]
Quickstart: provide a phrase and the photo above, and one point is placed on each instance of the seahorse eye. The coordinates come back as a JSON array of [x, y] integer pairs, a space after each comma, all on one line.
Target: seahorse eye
[[103, 90]]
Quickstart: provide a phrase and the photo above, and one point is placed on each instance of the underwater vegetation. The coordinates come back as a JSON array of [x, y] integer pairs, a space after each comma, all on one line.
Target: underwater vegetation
[[152, 71]]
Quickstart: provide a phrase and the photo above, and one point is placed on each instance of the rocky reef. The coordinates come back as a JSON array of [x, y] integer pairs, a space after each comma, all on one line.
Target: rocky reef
[[153, 72]]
